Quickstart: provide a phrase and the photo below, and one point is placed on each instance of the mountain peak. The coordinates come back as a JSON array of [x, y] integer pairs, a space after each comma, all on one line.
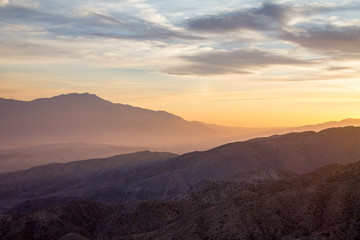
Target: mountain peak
[[78, 95], [84, 97]]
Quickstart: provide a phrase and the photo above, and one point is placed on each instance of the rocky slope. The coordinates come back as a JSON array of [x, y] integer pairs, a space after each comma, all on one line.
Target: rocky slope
[[323, 204]]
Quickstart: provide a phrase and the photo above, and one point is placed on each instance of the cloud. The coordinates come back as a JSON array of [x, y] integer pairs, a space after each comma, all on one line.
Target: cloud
[[268, 16], [4, 2], [92, 24], [240, 61], [149, 13], [156, 34], [311, 26], [319, 8], [330, 39], [272, 17], [137, 34]]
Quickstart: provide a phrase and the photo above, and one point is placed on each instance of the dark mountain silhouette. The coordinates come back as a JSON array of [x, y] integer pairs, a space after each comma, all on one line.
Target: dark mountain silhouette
[[296, 152], [324, 204]]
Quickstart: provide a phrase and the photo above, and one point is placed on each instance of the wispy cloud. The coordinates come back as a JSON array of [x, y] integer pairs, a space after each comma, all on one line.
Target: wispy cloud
[[241, 61], [266, 17], [91, 24]]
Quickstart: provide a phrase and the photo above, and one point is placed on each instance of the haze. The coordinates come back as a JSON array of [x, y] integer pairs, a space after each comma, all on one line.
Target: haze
[[236, 63]]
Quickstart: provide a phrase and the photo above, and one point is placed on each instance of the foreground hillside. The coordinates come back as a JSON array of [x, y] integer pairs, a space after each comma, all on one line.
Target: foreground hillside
[[296, 152], [323, 204]]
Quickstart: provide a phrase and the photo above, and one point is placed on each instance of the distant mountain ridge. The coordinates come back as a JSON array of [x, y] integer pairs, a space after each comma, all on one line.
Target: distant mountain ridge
[[322, 126], [88, 118], [84, 117]]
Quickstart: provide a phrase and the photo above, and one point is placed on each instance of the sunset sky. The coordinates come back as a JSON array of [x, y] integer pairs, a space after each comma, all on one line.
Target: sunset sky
[[237, 63]]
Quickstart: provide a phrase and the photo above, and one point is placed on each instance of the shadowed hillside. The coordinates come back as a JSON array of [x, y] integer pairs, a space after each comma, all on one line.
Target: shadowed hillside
[[324, 204]]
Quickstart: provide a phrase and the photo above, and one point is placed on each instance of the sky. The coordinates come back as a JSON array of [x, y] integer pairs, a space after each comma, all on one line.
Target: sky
[[235, 63]]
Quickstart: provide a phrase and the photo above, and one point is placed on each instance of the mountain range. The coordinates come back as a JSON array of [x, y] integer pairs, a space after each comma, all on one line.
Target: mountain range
[[76, 126], [302, 184], [168, 175], [88, 118]]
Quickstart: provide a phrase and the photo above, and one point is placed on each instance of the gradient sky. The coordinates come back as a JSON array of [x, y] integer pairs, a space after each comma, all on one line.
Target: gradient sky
[[239, 63]]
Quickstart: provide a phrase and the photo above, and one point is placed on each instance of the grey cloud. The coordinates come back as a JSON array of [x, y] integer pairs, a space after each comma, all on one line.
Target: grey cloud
[[23, 50], [236, 62], [107, 19], [203, 70], [338, 68], [93, 24], [334, 40], [318, 9], [276, 12], [269, 16], [12, 13], [154, 35]]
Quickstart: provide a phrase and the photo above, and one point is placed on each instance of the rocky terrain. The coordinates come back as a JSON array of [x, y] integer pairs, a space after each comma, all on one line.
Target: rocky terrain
[[273, 204]]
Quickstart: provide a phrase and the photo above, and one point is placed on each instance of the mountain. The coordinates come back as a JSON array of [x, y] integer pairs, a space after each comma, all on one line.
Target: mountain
[[295, 152], [90, 119], [323, 204], [86, 118], [321, 126]]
